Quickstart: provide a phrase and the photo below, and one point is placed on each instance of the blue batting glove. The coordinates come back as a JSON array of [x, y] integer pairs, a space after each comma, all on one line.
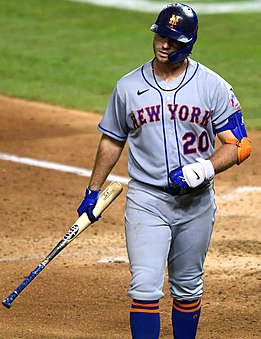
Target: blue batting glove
[[177, 177], [88, 204]]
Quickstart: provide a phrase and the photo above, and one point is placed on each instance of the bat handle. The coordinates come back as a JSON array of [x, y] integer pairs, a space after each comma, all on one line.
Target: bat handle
[[8, 301]]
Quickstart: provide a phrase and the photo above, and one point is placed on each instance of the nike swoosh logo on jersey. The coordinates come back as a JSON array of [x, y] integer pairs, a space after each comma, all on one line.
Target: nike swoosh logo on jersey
[[197, 176], [141, 92]]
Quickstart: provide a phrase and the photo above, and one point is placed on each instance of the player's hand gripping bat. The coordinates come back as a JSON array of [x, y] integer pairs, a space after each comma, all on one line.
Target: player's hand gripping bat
[[105, 199]]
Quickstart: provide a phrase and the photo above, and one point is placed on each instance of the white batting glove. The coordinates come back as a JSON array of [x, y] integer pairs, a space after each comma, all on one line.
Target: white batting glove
[[193, 175]]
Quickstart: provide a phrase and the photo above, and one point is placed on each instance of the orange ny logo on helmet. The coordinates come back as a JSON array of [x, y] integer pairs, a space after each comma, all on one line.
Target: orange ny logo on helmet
[[173, 21]]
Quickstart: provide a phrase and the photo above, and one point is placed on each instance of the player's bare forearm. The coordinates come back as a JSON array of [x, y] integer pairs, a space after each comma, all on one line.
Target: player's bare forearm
[[226, 156], [108, 153]]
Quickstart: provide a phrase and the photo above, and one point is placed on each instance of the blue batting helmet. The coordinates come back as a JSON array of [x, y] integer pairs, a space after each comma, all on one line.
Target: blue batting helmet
[[178, 22]]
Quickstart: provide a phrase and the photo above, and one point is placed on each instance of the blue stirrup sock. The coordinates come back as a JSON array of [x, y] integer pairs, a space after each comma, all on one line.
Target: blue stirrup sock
[[145, 319], [185, 317]]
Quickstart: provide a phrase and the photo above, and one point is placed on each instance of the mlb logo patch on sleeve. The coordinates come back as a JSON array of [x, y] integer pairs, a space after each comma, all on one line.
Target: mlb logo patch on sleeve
[[233, 100]]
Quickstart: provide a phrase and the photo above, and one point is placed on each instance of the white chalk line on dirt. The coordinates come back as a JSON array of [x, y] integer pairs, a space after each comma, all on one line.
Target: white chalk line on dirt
[[58, 167], [199, 7], [238, 191], [87, 173]]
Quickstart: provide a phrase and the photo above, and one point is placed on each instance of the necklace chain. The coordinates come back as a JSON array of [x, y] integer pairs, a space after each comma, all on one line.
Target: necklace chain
[[172, 89]]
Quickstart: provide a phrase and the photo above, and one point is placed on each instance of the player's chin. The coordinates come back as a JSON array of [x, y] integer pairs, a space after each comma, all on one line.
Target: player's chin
[[162, 57]]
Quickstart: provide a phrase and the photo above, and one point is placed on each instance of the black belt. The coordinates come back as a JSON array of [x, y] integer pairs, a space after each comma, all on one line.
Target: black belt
[[175, 190], [179, 191]]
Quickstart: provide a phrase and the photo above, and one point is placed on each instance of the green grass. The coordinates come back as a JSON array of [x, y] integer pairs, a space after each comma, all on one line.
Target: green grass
[[71, 54], [227, 48], [206, 1]]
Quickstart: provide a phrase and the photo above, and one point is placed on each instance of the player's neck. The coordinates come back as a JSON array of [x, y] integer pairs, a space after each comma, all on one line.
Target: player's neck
[[169, 72]]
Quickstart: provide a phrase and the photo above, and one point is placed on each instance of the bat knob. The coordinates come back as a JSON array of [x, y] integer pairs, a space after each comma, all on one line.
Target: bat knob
[[6, 304]]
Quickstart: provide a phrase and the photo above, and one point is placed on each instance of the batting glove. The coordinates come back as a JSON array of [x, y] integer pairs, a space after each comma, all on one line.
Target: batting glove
[[193, 175], [88, 204]]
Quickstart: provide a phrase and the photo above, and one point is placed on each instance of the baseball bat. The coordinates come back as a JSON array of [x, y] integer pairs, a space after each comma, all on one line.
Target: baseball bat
[[105, 199]]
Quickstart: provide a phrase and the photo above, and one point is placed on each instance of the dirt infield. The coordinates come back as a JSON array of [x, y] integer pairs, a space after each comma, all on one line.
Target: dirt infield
[[77, 295]]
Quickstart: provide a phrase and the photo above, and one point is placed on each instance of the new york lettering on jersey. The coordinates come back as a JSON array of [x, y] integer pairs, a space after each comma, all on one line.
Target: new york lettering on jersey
[[151, 114]]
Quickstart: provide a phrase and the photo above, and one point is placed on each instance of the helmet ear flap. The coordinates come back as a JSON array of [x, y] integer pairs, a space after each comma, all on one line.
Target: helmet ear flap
[[182, 54]]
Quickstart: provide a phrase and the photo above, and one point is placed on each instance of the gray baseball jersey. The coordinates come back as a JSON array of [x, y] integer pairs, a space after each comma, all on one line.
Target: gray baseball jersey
[[167, 125]]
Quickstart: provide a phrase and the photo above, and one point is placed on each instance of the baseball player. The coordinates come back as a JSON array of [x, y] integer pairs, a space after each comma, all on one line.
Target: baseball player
[[169, 111]]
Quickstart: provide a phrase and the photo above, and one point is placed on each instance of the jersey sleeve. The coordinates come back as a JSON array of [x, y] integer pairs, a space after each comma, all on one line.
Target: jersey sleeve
[[225, 104], [114, 122]]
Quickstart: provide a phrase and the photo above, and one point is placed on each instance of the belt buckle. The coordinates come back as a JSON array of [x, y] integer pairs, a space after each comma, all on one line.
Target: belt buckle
[[183, 191], [174, 190]]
